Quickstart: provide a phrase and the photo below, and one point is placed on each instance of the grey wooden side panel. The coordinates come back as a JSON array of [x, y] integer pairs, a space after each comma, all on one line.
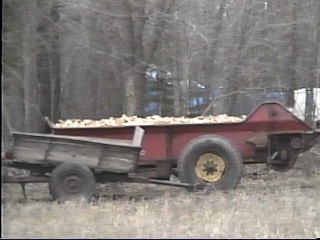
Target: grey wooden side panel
[[40, 148], [116, 164], [30, 149], [64, 151], [93, 140], [114, 160]]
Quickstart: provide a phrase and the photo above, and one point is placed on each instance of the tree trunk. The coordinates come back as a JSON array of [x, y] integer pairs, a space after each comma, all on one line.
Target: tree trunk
[[234, 80], [130, 95], [32, 115], [293, 54], [313, 81]]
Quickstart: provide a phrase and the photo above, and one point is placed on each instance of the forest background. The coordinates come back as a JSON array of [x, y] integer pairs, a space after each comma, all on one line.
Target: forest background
[[95, 59]]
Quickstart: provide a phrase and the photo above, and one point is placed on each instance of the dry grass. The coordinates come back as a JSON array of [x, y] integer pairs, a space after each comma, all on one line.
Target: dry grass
[[273, 205]]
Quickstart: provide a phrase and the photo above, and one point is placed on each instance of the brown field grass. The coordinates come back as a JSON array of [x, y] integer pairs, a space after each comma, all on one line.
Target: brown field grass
[[270, 205]]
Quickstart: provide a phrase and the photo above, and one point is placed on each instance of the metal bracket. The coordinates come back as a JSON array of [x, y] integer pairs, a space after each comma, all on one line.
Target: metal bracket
[[259, 140]]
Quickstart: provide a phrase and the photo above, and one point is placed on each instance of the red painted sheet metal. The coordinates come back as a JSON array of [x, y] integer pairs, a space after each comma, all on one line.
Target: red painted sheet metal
[[274, 117], [162, 142], [237, 138]]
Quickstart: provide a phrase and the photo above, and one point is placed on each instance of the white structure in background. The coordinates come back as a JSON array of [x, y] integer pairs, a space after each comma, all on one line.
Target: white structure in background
[[300, 103]]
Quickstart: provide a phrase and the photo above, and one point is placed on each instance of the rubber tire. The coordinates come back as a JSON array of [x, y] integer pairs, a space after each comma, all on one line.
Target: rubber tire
[[219, 146], [84, 177]]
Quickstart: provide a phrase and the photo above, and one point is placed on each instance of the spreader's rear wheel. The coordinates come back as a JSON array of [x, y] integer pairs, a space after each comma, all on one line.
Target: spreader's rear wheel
[[211, 160], [71, 181]]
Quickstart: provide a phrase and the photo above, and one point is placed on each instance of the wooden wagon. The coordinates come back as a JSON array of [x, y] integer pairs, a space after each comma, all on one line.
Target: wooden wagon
[[71, 164]]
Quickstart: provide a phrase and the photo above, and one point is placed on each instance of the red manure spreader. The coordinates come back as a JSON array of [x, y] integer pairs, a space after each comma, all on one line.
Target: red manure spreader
[[73, 159]]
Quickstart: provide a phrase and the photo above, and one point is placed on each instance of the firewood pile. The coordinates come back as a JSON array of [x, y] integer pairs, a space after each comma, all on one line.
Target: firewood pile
[[150, 120]]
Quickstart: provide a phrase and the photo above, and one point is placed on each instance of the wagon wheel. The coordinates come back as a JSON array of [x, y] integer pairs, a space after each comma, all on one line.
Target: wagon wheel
[[211, 160], [71, 181], [286, 166]]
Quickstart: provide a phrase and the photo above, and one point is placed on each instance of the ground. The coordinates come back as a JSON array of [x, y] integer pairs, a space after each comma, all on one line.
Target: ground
[[266, 205]]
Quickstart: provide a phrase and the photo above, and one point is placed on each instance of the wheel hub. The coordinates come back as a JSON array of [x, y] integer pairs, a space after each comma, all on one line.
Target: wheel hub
[[210, 167], [72, 184]]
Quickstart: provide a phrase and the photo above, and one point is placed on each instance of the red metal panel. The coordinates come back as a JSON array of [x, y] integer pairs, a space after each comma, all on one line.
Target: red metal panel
[[274, 117], [238, 139], [154, 145], [167, 141]]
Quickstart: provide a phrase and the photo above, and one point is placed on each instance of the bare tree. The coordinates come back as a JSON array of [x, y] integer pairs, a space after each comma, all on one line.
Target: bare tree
[[88, 58], [30, 78]]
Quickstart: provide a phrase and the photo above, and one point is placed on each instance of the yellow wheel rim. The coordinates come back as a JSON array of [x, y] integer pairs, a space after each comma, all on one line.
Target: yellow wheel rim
[[210, 167]]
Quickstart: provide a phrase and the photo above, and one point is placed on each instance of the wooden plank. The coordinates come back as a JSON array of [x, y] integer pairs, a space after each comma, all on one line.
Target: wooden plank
[[32, 150], [75, 138], [116, 164], [114, 156], [63, 151], [138, 136], [114, 160], [118, 142]]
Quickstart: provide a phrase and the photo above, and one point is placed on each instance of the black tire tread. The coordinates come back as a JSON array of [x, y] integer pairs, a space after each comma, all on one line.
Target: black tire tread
[[218, 144], [70, 168]]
